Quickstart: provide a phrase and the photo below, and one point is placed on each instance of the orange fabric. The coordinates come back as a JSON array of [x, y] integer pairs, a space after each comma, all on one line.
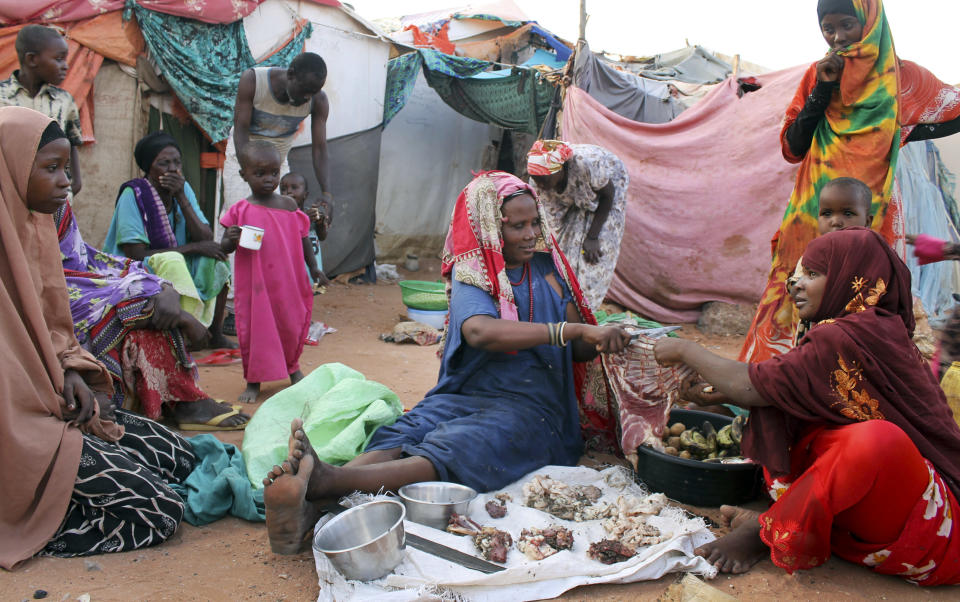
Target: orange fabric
[[439, 40], [213, 160], [89, 42], [110, 36]]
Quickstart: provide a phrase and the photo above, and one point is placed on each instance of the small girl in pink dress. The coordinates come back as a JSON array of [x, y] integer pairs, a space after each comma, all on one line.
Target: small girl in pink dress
[[273, 300]]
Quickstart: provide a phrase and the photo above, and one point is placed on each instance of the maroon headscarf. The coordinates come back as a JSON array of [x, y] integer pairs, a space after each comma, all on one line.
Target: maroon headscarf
[[858, 361]]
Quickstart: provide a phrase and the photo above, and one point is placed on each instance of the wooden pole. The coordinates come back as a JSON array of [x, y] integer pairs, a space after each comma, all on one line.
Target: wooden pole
[[583, 19]]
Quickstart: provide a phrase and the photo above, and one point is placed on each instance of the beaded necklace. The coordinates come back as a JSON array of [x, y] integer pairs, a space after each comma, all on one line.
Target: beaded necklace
[[526, 275]]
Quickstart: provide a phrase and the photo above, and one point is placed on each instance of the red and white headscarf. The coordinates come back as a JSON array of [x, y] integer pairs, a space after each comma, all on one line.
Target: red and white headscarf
[[547, 157], [474, 244]]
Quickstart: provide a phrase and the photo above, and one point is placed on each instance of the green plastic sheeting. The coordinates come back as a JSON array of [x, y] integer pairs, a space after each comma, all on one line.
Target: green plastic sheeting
[[218, 485], [517, 98], [340, 409]]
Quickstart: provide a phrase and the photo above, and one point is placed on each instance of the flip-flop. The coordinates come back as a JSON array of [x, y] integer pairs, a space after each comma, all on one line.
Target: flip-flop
[[214, 423], [220, 357]]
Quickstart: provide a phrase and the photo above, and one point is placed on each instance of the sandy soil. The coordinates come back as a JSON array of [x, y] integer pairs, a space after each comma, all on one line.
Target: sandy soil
[[231, 560]]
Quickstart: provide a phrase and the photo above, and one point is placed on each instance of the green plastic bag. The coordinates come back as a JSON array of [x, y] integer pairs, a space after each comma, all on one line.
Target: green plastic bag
[[340, 409]]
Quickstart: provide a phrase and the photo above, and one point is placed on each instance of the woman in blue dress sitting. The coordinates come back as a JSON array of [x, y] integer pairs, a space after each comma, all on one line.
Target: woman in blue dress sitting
[[505, 403]]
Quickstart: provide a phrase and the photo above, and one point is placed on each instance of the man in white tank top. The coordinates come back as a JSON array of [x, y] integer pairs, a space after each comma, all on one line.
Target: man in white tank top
[[271, 103]]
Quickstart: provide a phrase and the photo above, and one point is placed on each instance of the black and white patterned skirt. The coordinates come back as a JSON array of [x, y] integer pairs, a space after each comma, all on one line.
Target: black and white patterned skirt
[[121, 500]]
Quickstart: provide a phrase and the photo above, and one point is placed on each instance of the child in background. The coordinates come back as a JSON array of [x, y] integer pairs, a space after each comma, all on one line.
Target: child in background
[[273, 301], [42, 53], [294, 186], [843, 202]]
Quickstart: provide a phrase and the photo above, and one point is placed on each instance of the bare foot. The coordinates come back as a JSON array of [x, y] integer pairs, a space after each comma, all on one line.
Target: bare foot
[[199, 412], [296, 377], [320, 485], [740, 549], [290, 517], [250, 394], [219, 341]]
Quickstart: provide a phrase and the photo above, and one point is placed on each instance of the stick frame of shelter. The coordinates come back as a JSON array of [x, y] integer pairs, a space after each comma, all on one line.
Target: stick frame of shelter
[[583, 19]]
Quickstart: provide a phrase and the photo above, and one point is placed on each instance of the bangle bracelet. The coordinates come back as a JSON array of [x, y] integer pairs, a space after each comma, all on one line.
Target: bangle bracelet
[[560, 337], [551, 333]]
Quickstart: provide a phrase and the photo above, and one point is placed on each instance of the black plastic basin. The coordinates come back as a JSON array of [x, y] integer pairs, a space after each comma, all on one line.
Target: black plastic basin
[[694, 482]]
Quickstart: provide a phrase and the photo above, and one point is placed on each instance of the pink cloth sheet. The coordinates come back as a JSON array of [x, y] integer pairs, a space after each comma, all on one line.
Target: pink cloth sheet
[[65, 11], [273, 299], [707, 193]]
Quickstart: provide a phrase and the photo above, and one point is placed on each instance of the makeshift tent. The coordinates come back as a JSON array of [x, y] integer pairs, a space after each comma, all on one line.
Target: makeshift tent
[[427, 155], [707, 191], [636, 98], [356, 56], [429, 149], [692, 65]]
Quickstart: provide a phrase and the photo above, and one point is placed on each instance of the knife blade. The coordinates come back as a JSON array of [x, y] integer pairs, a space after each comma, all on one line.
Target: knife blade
[[438, 549], [456, 556]]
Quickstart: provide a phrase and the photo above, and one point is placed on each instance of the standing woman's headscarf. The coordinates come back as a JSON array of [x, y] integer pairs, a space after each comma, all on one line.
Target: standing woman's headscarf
[[547, 157], [858, 362], [858, 137], [39, 451]]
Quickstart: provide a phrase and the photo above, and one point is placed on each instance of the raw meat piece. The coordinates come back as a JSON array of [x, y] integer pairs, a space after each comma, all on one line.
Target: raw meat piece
[[496, 509], [462, 525], [538, 544], [493, 544], [644, 391], [610, 551], [563, 501]]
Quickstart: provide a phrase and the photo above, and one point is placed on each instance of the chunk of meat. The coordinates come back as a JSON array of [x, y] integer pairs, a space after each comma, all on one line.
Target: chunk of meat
[[462, 525], [493, 544], [538, 544], [496, 509], [610, 551]]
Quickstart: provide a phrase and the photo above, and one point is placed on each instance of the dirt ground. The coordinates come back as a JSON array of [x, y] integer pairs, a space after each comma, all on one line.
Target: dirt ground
[[231, 560]]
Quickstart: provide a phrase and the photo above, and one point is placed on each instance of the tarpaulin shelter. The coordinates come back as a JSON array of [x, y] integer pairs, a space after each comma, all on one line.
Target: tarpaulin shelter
[[356, 55], [177, 63], [708, 191], [472, 95]]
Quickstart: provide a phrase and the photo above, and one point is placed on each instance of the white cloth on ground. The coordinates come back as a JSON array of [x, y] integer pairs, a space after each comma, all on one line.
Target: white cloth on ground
[[422, 576]]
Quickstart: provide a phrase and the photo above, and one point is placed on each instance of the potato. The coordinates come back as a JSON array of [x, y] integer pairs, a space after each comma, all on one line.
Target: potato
[[676, 428], [670, 450], [685, 454], [674, 442]]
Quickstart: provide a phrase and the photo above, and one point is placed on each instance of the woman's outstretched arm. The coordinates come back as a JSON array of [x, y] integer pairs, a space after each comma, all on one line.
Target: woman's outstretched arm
[[493, 334]]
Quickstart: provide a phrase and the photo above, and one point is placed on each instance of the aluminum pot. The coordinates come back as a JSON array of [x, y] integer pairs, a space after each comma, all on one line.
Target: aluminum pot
[[432, 502], [365, 542]]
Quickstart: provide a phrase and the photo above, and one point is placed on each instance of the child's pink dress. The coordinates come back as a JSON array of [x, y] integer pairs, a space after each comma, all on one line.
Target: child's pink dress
[[273, 301]]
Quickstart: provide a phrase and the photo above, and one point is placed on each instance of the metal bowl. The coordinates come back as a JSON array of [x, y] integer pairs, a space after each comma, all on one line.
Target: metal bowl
[[432, 502], [365, 542]]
